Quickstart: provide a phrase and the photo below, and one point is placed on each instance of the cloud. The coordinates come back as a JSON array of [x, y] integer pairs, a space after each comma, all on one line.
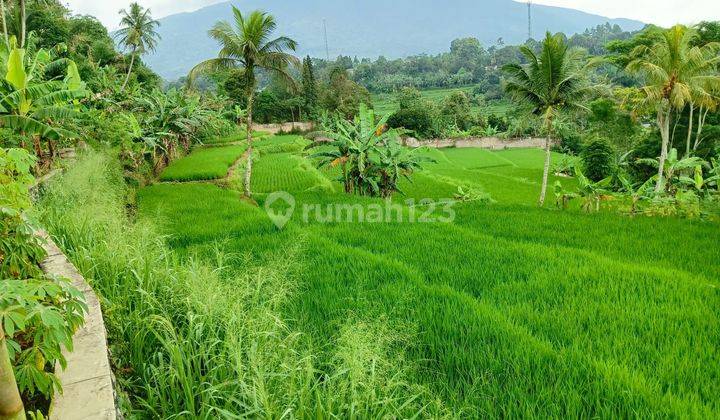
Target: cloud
[[107, 11], [662, 12]]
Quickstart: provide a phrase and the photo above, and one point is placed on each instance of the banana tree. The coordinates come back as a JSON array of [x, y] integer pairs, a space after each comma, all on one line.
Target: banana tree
[[33, 107], [591, 193], [638, 193], [713, 180], [350, 144], [396, 162], [674, 168]]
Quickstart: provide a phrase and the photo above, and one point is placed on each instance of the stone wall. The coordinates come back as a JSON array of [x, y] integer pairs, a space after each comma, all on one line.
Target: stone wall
[[493, 143], [285, 127], [87, 381]]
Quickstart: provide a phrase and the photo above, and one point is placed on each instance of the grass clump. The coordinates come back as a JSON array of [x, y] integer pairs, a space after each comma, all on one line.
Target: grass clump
[[204, 335]]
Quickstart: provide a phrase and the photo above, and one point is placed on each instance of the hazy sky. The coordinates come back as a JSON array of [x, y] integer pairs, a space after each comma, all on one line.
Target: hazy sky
[[662, 12]]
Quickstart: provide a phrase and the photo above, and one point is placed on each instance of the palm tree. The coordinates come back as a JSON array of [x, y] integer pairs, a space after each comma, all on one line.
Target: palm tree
[[138, 33], [674, 73], [248, 46], [553, 82]]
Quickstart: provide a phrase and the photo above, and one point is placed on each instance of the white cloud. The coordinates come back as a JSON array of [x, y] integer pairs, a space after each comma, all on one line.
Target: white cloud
[[662, 12], [107, 11]]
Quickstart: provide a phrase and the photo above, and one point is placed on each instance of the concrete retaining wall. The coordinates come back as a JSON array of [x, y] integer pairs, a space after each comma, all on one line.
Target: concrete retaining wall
[[87, 382], [276, 128], [494, 143]]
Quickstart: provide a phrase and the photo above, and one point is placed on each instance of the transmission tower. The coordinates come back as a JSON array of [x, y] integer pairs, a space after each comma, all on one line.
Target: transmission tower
[[529, 5]]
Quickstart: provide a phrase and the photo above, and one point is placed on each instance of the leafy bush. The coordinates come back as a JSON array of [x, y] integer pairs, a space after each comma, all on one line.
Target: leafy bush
[[597, 157], [500, 122], [37, 314], [417, 119], [456, 108]]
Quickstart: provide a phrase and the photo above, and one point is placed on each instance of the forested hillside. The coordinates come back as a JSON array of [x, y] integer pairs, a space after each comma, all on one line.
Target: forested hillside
[[371, 28]]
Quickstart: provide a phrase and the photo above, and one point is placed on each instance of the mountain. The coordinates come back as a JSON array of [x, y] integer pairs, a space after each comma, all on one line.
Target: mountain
[[369, 28]]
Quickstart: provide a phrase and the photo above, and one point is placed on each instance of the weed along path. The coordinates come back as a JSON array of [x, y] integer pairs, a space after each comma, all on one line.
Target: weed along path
[[507, 310]]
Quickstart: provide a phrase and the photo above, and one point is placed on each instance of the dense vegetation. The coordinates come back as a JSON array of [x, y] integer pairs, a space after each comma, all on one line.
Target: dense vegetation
[[409, 282]]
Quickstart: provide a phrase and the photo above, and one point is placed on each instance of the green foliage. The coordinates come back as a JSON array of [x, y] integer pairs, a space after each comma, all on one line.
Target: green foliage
[[418, 119], [20, 249], [598, 158], [210, 335], [309, 88], [37, 314], [34, 107], [342, 95], [456, 107], [372, 160]]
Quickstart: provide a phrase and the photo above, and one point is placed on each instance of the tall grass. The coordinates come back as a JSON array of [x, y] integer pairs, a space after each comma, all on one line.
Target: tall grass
[[205, 337]]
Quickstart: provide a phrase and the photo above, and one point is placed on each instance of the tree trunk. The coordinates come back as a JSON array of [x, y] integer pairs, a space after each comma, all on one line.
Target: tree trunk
[[675, 121], [701, 123], [546, 172], [11, 405], [127, 77], [38, 147], [23, 23], [248, 165], [4, 24], [690, 129], [663, 121]]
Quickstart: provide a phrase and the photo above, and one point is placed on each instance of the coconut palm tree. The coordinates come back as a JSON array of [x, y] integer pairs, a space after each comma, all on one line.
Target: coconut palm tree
[[138, 33], [674, 73], [553, 82], [247, 44]]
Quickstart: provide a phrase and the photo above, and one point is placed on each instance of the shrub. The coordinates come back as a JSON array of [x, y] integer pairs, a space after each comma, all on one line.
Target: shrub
[[417, 119], [500, 123], [37, 314], [597, 158]]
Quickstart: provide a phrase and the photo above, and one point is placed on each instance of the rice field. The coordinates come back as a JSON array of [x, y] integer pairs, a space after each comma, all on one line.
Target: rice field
[[510, 310], [204, 163], [239, 136], [385, 103]]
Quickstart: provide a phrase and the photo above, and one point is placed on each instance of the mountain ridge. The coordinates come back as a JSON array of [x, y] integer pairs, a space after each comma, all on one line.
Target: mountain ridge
[[370, 28]]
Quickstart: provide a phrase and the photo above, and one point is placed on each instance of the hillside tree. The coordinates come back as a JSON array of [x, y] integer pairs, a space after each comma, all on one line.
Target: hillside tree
[[138, 32], [248, 45], [553, 82], [309, 87]]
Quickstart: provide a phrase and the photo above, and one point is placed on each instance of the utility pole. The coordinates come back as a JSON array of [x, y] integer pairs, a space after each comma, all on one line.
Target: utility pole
[[327, 49], [529, 4]]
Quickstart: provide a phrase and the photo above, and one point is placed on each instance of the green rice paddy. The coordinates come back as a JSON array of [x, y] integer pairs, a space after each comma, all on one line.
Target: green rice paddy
[[385, 103], [204, 163], [510, 310]]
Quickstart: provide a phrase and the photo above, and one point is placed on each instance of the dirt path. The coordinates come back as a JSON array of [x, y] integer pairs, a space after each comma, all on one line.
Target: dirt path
[[235, 165]]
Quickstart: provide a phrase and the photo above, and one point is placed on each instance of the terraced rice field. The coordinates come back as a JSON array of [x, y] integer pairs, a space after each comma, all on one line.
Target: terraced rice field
[[205, 163], [510, 310], [384, 103]]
